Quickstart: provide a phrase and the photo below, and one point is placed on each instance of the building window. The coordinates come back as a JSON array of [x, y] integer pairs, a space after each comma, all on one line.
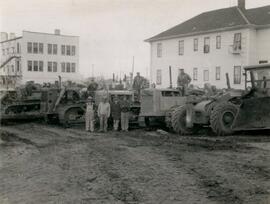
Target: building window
[[18, 48], [49, 66], [195, 44], [68, 49], [195, 74], [205, 75], [40, 67], [35, 66], [159, 50], [54, 49], [218, 42], [68, 67], [73, 67], [217, 73], [159, 79], [63, 67], [73, 50], [29, 47], [237, 75], [30, 66], [35, 48], [63, 49], [17, 65], [237, 41], [49, 49], [40, 48], [206, 48], [54, 66], [181, 47]]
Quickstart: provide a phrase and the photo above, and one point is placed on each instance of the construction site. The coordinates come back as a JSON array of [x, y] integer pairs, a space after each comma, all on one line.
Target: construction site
[[198, 146]]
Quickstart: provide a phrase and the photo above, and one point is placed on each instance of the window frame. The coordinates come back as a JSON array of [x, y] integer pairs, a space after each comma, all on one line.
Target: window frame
[[29, 47], [195, 74], [237, 80], [218, 42], [206, 39], [204, 75], [54, 49], [40, 48], [29, 65], [35, 47], [159, 77], [181, 47], [195, 44], [237, 42], [68, 50], [54, 67], [49, 66], [40, 66], [50, 49], [68, 67], [218, 73], [159, 50], [73, 50], [63, 50]]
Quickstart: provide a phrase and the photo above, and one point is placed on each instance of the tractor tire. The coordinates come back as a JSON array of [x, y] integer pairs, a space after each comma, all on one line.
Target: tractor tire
[[71, 116], [222, 118], [210, 107], [179, 122]]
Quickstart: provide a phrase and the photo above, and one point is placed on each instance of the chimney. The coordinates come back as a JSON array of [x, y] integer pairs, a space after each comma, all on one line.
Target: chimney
[[242, 4], [57, 31]]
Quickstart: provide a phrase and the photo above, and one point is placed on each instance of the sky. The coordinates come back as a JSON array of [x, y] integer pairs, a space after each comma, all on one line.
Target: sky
[[111, 31]]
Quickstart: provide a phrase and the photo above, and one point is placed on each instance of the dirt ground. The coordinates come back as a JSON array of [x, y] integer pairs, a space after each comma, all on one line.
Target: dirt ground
[[50, 164]]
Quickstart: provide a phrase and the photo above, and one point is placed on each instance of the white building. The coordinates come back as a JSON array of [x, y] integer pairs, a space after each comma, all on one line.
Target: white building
[[38, 57], [212, 44]]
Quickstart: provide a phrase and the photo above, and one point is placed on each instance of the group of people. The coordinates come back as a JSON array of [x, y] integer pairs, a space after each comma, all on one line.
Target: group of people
[[118, 109]]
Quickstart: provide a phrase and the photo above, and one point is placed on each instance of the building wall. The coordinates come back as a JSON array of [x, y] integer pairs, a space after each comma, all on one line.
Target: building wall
[[45, 76], [10, 74], [222, 58], [263, 45]]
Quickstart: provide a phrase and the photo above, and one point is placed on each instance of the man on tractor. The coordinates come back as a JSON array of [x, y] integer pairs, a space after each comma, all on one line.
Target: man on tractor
[[183, 81]]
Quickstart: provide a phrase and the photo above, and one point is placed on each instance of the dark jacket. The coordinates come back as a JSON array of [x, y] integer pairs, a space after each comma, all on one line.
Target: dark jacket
[[116, 110], [125, 106]]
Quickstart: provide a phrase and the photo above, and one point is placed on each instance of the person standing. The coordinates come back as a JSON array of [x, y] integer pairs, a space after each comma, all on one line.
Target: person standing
[[183, 81], [93, 86], [137, 85], [116, 113], [104, 111], [125, 107], [89, 115]]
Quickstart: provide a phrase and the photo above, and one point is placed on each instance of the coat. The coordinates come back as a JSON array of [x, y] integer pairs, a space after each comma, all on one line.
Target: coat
[[116, 111]]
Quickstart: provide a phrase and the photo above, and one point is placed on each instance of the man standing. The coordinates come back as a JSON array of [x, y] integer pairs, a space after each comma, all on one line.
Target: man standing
[[183, 81], [125, 106], [116, 113], [104, 111], [89, 115], [137, 85], [93, 86]]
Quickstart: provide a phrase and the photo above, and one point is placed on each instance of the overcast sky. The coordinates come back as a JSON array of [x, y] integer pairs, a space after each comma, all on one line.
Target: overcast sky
[[111, 31]]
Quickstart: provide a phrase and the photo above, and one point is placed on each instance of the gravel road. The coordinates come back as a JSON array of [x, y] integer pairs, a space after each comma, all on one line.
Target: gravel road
[[50, 164]]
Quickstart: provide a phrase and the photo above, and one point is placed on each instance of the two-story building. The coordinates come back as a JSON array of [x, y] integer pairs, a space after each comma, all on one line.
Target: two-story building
[[38, 57], [212, 44]]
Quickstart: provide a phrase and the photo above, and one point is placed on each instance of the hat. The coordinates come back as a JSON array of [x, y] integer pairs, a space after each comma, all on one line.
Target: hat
[[90, 98]]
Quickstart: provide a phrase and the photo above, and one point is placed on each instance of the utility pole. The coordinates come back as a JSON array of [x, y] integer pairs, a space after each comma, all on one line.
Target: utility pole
[[132, 72]]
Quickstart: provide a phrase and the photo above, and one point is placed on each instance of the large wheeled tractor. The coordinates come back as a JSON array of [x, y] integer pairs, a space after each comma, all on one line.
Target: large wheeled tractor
[[249, 112], [62, 106], [231, 111]]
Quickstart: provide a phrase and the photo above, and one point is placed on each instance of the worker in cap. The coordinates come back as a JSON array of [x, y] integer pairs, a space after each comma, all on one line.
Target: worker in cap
[[90, 115], [104, 111], [183, 81]]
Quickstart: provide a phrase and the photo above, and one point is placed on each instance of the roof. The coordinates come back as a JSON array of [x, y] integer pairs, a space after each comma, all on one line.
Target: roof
[[258, 66], [218, 20], [11, 39]]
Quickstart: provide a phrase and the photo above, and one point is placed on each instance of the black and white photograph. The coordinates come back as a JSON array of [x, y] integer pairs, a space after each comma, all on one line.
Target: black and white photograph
[[135, 102]]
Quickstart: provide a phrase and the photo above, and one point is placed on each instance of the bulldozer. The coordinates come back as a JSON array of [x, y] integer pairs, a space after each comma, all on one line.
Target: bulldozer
[[232, 110]]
